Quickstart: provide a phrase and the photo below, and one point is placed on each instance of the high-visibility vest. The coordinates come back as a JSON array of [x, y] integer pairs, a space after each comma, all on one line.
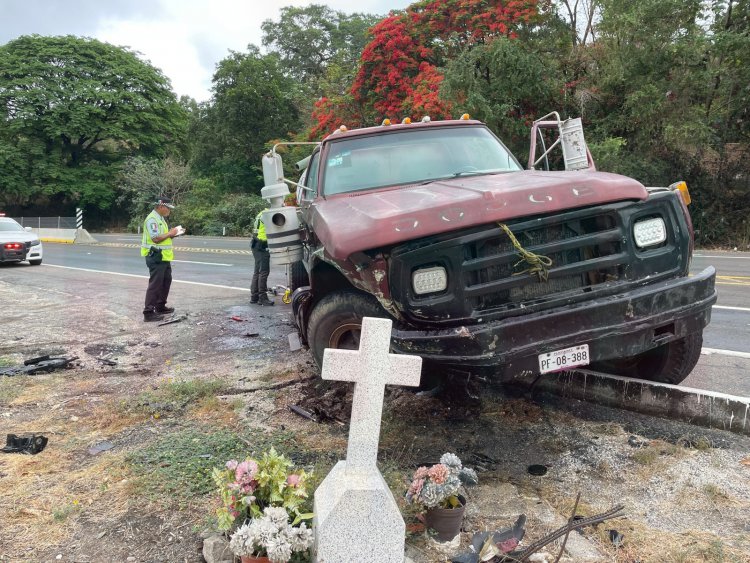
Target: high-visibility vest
[[167, 254], [259, 229]]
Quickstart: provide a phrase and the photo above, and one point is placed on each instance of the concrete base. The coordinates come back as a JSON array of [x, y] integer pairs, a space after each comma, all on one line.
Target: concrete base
[[83, 237], [357, 519], [694, 406]]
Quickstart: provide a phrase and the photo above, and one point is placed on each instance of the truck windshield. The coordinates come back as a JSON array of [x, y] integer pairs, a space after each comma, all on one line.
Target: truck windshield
[[410, 157]]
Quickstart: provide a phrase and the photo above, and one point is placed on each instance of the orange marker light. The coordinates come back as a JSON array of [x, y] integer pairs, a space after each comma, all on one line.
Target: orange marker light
[[406, 120], [465, 116], [386, 121], [682, 188]]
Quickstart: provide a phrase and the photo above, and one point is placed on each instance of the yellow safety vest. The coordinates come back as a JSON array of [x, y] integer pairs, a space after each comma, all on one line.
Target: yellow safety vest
[[167, 254], [260, 227]]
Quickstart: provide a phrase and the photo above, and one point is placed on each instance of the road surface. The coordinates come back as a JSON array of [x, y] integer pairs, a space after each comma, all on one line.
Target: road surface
[[208, 268]]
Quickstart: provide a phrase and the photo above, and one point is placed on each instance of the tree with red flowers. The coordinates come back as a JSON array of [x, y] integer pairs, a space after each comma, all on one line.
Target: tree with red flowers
[[399, 73]]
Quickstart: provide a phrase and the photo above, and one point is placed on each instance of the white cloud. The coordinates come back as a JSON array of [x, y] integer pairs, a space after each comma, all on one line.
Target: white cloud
[[186, 38]]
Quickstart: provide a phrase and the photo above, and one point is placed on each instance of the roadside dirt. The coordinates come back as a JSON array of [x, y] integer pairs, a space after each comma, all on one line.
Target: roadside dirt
[[183, 397]]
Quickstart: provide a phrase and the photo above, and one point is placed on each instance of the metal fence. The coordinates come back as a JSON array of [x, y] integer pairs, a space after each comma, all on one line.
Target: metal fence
[[47, 222]]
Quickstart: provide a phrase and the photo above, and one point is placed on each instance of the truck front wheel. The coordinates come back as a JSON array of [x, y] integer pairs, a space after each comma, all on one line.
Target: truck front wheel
[[670, 363], [336, 321]]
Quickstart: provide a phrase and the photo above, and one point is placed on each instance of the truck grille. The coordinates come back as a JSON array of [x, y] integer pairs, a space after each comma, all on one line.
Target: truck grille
[[585, 251]]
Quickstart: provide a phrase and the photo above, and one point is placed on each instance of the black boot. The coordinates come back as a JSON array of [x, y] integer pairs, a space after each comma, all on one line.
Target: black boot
[[164, 310], [152, 316], [264, 300]]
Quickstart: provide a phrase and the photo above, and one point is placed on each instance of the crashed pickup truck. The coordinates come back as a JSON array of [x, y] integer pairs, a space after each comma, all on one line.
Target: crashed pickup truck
[[485, 267]]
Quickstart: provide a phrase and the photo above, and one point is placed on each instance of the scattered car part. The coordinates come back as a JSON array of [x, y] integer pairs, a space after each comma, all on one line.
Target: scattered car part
[[31, 445], [41, 365]]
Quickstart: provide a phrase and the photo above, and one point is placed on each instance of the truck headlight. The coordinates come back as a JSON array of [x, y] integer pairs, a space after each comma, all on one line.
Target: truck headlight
[[429, 280], [649, 232]]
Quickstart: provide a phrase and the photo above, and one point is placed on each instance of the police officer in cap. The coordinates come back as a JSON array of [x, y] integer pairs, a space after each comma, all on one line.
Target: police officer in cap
[[156, 246]]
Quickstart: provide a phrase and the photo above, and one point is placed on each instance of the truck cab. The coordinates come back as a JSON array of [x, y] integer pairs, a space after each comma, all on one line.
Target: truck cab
[[484, 266]]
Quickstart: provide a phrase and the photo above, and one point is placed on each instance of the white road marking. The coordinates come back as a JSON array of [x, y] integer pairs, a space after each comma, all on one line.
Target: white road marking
[[132, 238], [710, 351], [721, 256], [744, 309], [146, 277], [208, 263]]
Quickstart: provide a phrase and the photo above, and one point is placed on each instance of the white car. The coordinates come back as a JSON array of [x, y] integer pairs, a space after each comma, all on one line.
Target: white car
[[18, 244]]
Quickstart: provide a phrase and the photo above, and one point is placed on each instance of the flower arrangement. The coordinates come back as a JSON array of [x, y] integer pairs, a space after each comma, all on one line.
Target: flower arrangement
[[248, 487], [271, 535], [438, 486]]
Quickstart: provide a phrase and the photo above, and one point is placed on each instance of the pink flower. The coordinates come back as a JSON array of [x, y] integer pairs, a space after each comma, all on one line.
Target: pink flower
[[420, 473], [246, 469], [438, 473], [293, 480], [416, 486], [232, 464]]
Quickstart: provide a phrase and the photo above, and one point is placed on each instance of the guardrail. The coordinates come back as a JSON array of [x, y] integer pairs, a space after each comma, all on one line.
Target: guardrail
[[47, 222]]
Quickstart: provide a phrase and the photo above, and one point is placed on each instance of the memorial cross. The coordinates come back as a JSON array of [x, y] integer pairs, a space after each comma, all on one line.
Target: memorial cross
[[371, 368]]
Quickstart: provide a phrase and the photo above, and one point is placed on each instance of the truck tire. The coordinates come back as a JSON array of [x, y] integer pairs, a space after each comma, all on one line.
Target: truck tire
[[670, 363], [336, 321], [297, 275]]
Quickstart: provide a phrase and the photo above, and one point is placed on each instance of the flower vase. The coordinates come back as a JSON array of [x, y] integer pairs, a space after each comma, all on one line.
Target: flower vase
[[254, 559], [446, 521]]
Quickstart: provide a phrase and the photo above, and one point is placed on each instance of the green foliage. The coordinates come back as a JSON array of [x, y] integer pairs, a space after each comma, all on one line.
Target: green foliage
[[253, 102], [70, 110], [173, 396]]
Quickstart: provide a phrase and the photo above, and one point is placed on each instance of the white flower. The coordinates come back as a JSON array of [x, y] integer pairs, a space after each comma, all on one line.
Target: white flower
[[451, 460], [276, 515], [301, 538]]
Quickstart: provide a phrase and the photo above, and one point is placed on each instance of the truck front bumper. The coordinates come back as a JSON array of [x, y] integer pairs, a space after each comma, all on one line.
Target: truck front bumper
[[617, 326]]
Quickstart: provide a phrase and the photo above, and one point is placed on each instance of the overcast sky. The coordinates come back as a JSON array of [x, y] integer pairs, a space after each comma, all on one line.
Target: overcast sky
[[184, 38]]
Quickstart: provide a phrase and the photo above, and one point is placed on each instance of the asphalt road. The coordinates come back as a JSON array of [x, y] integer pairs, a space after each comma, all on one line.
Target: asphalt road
[[217, 266]]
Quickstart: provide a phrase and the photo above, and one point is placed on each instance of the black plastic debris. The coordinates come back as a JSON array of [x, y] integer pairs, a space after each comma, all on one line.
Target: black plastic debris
[[616, 537], [41, 364], [537, 470], [24, 444]]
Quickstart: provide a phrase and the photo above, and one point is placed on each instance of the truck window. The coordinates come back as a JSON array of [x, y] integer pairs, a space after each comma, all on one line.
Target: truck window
[[310, 179], [409, 157]]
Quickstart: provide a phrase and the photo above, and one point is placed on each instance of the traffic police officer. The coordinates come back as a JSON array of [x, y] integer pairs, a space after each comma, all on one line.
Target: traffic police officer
[[262, 258], [156, 246]]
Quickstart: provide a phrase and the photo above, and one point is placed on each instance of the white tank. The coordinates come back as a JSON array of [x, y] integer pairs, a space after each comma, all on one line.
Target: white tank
[[273, 169], [283, 232]]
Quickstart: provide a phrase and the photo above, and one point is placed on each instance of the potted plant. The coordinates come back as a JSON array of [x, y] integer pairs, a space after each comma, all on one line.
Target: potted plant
[[246, 488], [270, 538], [438, 490]]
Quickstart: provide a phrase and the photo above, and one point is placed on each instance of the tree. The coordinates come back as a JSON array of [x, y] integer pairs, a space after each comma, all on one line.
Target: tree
[[253, 102], [400, 68], [310, 38], [70, 110]]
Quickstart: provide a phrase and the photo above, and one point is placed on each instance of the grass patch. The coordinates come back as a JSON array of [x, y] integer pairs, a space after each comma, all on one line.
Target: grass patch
[[10, 388], [656, 450], [6, 362], [177, 467], [174, 396]]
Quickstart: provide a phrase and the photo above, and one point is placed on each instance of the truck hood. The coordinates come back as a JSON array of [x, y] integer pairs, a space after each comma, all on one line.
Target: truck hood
[[348, 223]]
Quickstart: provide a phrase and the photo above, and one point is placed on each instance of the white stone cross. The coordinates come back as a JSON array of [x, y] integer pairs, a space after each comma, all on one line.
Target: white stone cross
[[371, 368]]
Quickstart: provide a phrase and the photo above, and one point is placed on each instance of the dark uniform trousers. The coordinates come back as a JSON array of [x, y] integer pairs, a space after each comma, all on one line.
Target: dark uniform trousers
[[259, 283], [159, 282]]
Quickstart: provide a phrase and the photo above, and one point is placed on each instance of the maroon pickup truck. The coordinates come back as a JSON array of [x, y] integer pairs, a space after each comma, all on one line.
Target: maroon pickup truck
[[487, 268]]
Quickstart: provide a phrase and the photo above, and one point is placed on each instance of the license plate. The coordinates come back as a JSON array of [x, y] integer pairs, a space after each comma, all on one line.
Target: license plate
[[572, 357]]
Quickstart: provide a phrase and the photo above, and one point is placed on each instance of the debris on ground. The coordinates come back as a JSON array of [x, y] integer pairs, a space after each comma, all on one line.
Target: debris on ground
[[237, 319], [100, 447], [303, 413], [46, 364], [31, 445], [172, 320], [487, 545], [106, 361], [251, 334]]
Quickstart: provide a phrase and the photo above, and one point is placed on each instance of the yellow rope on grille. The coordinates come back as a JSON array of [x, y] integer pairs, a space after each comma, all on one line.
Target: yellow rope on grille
[[538, 264]]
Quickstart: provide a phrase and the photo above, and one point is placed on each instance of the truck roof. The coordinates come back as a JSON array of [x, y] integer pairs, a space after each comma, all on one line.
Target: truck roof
[[339, 134]]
